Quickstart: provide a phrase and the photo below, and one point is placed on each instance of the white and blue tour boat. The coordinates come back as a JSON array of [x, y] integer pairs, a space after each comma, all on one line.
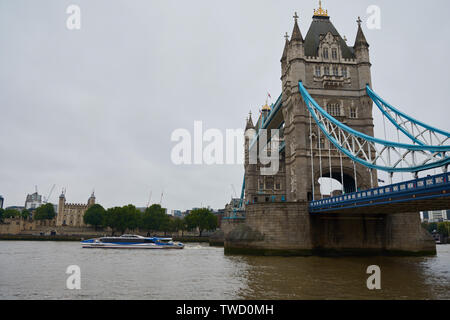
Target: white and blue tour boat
[[128, 241]]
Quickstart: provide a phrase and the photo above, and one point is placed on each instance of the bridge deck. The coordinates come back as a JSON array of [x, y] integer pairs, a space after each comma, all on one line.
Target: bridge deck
[[425, 194]]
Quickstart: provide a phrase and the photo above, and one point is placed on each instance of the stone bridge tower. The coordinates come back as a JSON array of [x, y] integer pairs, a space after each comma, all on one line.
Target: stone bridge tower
[[336, 75], [277, 207]]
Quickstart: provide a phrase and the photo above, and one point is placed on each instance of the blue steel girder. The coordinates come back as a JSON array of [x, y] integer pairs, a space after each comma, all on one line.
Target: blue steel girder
[[415, 130], [369, 151], [428, 193], [241, 201]]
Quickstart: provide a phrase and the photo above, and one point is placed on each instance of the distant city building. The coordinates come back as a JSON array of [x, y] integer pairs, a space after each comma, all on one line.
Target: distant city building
[[1, 202], [70, 214], [177, 213], [185, 213], [33, 201], [436, 216]]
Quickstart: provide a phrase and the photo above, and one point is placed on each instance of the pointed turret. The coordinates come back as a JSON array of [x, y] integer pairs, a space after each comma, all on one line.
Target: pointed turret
[[265, 111], [286, 48], [295, 55], [360, 37], [61, 204], [250, 124], [361, 50], [296, 34], [284, 57], [91, 200]]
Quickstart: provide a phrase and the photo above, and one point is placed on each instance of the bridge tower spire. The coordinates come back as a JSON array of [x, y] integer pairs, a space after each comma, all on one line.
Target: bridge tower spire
[[361, 49], [336, 76]]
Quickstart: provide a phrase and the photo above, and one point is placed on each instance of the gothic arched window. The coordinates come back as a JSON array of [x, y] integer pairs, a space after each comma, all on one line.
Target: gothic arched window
[[353, 113], [269, 183], [344, 72], [335, 71], [318, 71], [278, 184], [334, 54]]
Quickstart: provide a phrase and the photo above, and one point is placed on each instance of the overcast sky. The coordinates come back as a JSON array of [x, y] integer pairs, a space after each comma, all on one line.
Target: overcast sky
[[95, 108]]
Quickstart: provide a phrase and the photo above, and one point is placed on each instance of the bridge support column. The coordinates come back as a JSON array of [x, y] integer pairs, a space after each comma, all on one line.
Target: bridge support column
[[405, 235], [273, 229], [288, 229]]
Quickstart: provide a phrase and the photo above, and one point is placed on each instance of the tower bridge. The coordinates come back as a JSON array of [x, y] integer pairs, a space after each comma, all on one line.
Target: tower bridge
[[324, 115]]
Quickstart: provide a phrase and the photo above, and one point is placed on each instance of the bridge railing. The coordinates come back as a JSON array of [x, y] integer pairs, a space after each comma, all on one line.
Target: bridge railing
[[415, 187]]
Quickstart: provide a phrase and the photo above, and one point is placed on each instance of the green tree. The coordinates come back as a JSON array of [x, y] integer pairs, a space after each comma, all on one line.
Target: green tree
[[2, 214], [131, 218], [190, 222], [112, 219], [203, 219], [432, 227], [45, 212], [95, 216], [443, 228], [179, 224], [167, 224], [25, 214], [122, 218], [11, 213], [156, 219]]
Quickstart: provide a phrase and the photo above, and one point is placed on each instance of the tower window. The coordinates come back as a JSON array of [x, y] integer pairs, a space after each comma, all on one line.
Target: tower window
[[325, 53], [334, 109], [269, 183], [334, 54], [260, 184], [277, 184], [318, 71], [353, 113], [344, 72], [335, 71]]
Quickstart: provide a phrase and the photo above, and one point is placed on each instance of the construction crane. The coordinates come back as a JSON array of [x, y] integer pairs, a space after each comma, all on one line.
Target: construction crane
[[46, 199], [234, 191], [149, 199], [160, 201]]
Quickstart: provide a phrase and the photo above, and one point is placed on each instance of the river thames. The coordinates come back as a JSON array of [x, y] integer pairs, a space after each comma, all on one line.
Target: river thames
[[37, 270]]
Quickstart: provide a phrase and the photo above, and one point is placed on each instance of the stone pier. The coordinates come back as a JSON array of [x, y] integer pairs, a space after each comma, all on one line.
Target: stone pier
[[287, 229]]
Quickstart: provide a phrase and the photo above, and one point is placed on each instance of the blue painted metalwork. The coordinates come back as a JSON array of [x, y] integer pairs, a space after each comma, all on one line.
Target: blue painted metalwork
[[307, 97], [241, 202], [417, 189], [408, 147], [378, 101], [266, 122]]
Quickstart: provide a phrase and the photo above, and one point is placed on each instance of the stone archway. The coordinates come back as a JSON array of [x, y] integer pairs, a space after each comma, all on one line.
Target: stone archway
[[345, 178]]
